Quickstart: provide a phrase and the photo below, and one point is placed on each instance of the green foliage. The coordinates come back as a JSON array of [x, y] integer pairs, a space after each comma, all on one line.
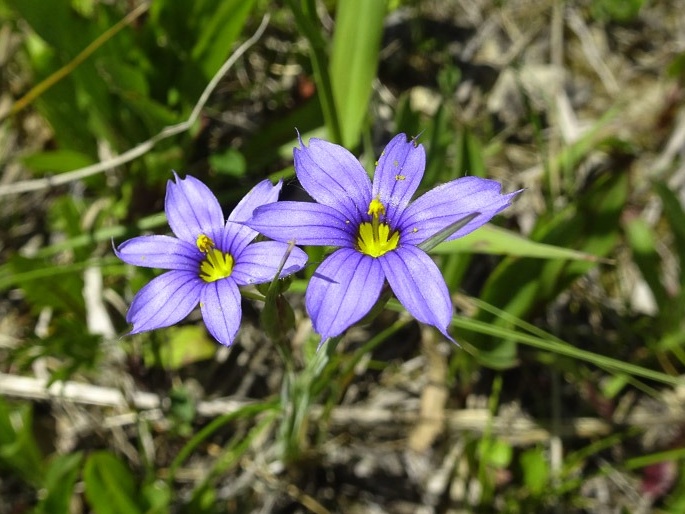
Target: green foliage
[[18, 447], [353, 62], [585, 226], [110, 487], [61, 476], [518, 286], [621, 11], [535, 470], [230, 162], [181, 347]]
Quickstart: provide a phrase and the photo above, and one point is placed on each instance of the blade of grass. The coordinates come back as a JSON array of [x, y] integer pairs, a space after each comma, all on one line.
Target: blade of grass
[[308, 22], [216, 424], [555, 346], [65, 70], [498, 241], [354, 59]]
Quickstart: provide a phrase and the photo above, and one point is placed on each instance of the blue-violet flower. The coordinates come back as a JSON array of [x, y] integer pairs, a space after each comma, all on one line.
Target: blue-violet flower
[[377, 230], [209, 259]]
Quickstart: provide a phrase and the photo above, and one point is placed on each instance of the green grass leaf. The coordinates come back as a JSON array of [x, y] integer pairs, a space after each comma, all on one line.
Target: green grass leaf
[[498, 241], [354, 59], [60, 478]]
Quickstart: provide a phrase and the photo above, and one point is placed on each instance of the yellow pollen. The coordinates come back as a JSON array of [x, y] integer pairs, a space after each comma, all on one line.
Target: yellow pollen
[[204, 243], [376, 208], [400, 177], [217, 264]]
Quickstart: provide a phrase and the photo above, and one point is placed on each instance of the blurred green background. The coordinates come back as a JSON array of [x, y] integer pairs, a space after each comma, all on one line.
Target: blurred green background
[[566, 394]]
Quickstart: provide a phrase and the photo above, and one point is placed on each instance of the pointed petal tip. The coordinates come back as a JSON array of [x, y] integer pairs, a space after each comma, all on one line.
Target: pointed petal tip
[[448, 336]]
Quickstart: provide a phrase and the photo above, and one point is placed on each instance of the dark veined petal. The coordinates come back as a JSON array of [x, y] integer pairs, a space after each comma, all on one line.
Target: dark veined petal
[[398, 174], [304, 223], [450, 202], [165, 300], [220, 306], [333, 177], [262, 194], [192, 209], [236, 237], [259, 262], [419, 286], [342, 291], [163, 252]]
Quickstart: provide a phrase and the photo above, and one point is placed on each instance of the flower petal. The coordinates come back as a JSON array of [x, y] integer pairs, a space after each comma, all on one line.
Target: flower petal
[[220, 306], [259, 262], [165, 300], [334, 177], [419, 286], [192, 209], [450, 202], [342, 291], [163, 252], [305, 223], [398, 174], [236, 236], [261, 194]]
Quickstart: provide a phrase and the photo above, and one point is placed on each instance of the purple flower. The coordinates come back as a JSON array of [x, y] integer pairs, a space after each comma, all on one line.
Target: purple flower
[[209, 259], [377, 229]]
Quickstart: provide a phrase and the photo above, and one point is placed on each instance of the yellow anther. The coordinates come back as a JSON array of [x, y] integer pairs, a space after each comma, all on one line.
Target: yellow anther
[[400, 177], [376, 208], [204, 243]]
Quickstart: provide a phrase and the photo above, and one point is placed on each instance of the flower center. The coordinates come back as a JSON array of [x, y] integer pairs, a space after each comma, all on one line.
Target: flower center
[[375, 238], [217, 264]]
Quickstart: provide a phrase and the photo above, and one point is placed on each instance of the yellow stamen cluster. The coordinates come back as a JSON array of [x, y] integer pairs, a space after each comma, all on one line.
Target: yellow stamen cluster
[[376, 208], [217, 264], [375, 238]]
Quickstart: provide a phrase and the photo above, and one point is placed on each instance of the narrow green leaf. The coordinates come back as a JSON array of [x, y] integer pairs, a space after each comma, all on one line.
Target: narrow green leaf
[[354, 59], [219, 33], [675, 215], [438, 238], [498, 241], [308, 24], [643, 245], [60, 478]]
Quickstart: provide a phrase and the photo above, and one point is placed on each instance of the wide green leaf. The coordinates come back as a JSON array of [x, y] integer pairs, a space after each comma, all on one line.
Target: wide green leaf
[[110, 486]]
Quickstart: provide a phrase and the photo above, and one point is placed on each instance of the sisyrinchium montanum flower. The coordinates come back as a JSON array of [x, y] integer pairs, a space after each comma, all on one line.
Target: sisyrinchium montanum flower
[[377, 229], [209, 258]]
